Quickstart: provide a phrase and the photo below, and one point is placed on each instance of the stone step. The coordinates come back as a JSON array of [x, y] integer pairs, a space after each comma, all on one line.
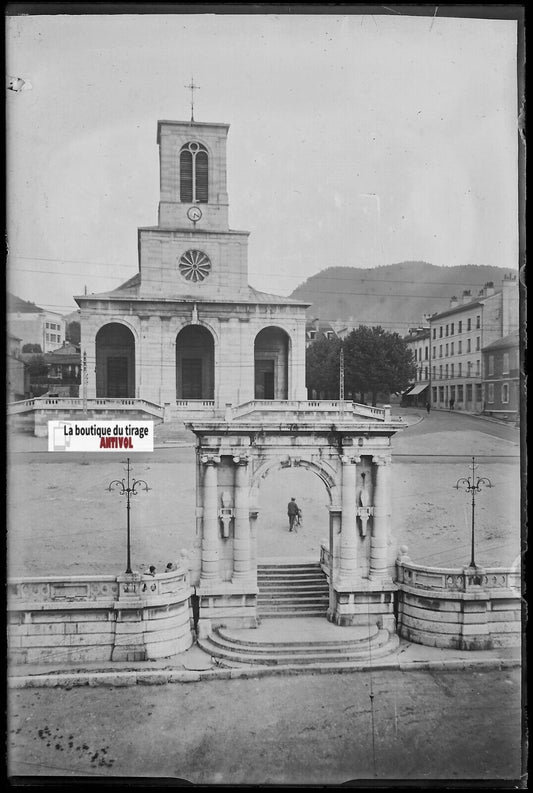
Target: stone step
[[294, 597], [294, 586], [292, 590], [303, 577], [244, 638], [292, 566], [230, 653], [291, 612]]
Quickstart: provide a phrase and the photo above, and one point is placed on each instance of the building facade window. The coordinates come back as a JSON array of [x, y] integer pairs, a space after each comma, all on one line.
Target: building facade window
[[447, 329], [451, 348], [459, 393], [505, 363], [425, 373], [446, 371], [434, 333], [459, 369], [452, 366], [478, 343], [440, 372], [194, 173], [490, 393], [440, 332], [478, 321], [469, 324], [460, 326], [434, 372], [440, 350], [434, 352], [505, 393], [478, 368], [469, 392], [452, 329], [447, 349], [491, 364], [459, 347], [468, 345], [479, 392], [426, 353]]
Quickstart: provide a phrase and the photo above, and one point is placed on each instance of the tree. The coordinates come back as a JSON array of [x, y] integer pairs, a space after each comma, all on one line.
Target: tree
[[322, 367], [73, 332], [31, 348], [376, 360]]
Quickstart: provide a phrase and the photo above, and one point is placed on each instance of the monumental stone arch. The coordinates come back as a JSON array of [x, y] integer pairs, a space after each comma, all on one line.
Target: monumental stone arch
[[348, 446]]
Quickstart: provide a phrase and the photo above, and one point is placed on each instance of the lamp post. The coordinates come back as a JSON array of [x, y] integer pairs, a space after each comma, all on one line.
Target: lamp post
[[129, 490], [473, 485]]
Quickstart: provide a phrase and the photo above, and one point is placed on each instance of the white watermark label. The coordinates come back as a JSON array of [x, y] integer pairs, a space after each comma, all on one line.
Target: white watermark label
[[100, 436]]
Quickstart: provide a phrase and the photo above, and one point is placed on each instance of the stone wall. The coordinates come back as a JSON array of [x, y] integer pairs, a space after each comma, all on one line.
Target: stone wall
[[466, 609], [99, 618]]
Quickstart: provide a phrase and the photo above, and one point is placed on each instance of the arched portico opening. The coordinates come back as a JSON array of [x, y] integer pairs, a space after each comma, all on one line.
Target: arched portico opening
[[195, 363], [273, 486], [271, 364], [115, 362]]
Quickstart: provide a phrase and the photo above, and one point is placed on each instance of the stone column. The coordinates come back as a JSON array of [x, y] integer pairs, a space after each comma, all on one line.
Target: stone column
[[210, 541], [380, 529], [348, 549], [241, 534]]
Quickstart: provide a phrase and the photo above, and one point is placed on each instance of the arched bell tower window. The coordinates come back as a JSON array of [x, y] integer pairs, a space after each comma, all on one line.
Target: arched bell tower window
[[193, 173]]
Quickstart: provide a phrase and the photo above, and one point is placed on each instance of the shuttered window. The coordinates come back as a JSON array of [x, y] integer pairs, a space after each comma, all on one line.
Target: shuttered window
[[186, 177], [194, 173]]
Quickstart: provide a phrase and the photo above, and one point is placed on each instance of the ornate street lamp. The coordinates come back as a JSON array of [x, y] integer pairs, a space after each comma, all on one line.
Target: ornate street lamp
[[129, 490], [473, 486]]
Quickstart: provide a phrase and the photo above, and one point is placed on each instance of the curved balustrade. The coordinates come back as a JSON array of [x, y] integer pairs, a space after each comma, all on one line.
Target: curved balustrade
[[88, 589], [456, 579]]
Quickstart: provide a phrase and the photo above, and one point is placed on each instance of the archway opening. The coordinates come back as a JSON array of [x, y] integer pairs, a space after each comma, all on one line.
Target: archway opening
[[277, 488], [195, 363], [271, 364], [115, 362]]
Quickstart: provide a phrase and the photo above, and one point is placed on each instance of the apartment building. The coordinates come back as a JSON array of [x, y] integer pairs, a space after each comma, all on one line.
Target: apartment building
[[501, 377], [458, 336], [419, 342]]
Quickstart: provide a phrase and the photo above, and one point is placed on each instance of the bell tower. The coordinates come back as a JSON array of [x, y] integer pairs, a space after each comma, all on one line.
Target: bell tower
[[192, 253], [192, 162]]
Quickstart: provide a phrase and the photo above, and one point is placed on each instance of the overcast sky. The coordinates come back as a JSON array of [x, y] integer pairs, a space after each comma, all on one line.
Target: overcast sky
[[354, 140]]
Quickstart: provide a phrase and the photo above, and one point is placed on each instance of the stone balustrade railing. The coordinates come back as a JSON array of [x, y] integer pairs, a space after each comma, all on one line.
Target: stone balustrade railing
[[59, 590], [78, 403], [456, 579], [195, 403], [303, 407], [325, 557]]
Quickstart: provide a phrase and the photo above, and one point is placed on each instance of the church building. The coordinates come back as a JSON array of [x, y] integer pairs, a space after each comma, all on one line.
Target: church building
[[187, 331]]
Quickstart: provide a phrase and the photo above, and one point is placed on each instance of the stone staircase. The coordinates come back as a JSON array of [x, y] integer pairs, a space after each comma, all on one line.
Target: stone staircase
[[274, 645], [292, 590]]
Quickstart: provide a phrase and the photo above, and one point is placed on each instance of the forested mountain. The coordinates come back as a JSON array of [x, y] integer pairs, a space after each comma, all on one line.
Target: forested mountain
[[395, 296]]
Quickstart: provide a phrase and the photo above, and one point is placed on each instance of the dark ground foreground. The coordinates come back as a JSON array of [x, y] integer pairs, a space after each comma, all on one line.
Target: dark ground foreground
[[306, 730]]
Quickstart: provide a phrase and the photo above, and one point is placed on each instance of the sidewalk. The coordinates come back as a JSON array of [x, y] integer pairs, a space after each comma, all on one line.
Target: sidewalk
[[195, 665]]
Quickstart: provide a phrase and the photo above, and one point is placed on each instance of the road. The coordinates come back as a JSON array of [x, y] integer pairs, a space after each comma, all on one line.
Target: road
[[309, 729]]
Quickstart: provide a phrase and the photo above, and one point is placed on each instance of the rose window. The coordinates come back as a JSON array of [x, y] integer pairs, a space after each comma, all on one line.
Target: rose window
[[194, 266]]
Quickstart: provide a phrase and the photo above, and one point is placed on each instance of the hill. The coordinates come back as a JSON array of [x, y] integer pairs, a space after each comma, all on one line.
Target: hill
[[395, 296]]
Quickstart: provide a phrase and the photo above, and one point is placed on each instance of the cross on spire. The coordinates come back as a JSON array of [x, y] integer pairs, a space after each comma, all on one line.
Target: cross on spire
[[193, 88]]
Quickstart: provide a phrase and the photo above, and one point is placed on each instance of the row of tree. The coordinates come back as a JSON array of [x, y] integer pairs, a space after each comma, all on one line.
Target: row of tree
[[375, 361]]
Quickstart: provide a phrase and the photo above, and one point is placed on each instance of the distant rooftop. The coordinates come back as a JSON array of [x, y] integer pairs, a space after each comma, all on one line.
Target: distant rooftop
[[18, 305]]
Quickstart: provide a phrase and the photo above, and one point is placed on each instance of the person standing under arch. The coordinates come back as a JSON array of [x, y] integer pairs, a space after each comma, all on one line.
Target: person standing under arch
[[293, 510]]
